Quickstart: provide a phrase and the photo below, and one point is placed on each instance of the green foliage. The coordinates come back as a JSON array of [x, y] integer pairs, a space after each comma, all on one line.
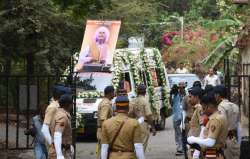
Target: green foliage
[[33, 32], [80, 10]]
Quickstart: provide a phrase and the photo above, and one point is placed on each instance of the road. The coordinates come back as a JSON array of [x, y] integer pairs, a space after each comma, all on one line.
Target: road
[[161, 146]]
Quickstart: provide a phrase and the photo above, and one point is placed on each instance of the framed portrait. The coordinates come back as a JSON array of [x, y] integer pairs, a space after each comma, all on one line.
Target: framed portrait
[[99, 42]]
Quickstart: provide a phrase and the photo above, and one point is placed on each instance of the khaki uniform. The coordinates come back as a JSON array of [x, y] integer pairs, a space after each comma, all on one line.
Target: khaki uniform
[[123, 146], [231, 112], [104, 112], [50, 112], [216, 128], [187, 106], [62, 123], [139, 107], [196, 121]]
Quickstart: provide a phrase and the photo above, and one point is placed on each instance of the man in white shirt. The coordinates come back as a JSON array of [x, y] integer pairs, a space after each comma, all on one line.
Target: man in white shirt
[[211, 79], [182, 69]]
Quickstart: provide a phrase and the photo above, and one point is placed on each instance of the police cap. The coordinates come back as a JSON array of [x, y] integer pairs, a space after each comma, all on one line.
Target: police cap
[[122, 101], [65, 99], [60, 89], [195, 91]]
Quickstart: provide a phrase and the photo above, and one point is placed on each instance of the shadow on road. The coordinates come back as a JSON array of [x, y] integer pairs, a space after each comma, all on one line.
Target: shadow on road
[[87, 139]]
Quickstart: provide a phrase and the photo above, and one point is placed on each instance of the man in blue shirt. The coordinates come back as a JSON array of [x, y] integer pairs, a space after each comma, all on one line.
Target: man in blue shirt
[[177, 95]]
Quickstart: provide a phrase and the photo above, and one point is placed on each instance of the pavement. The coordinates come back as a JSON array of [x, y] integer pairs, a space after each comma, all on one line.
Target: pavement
[[161, 146]]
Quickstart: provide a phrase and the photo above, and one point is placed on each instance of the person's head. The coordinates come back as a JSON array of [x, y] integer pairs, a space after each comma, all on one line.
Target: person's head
[[182, 86], [109, 92], [209, 104], [220, 93], [181, 65], [208, 88], [122, 104], [195, 94], [41, 110], [141, 89], [197, 84], [66, 102], [58, 91], [211, 72], [102, 35], [174, 89]]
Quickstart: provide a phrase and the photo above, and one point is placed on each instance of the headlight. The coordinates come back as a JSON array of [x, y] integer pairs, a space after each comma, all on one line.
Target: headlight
[[95, 115]]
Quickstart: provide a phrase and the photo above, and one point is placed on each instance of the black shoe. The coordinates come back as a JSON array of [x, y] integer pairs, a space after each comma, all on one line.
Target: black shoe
[[178, 153]]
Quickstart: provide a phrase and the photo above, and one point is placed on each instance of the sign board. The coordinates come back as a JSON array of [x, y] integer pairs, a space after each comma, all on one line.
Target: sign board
[[99, 42]]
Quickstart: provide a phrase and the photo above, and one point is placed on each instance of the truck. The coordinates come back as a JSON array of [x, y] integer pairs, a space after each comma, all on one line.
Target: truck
[[136, 66]]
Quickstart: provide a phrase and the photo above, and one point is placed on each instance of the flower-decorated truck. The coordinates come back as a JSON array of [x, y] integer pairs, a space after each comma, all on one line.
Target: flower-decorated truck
[[89, 88], [135, 66]]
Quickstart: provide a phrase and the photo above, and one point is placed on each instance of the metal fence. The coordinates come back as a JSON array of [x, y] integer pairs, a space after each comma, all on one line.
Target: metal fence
[[20, 96], [238, 84]]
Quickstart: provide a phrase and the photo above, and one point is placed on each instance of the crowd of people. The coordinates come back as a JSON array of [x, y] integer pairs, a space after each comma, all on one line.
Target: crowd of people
[[206, 124], [211, 77], [123, 131]]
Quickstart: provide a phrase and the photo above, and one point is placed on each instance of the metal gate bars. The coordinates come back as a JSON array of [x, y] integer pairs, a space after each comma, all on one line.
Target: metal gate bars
[[20, 97]]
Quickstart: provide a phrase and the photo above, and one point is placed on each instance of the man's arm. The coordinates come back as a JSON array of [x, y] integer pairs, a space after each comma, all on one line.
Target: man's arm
[[208, 142], [105, 143], [59, 128], [50, 112], [58, 145], [104, 112], [138, 143], [46, 133], [213, 132]]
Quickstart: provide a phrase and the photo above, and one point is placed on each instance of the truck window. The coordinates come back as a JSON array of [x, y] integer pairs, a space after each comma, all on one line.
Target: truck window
[[94, 81]]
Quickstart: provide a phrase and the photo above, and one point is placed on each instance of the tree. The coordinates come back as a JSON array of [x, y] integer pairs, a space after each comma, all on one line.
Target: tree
[[34, 33], [80, 10]]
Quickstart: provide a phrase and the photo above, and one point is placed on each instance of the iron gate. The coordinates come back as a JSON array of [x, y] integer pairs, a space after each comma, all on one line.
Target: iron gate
[[20, 97], [237, 80]]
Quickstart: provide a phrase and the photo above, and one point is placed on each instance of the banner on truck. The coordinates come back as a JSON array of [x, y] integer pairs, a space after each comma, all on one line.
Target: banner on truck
[[99, 42]]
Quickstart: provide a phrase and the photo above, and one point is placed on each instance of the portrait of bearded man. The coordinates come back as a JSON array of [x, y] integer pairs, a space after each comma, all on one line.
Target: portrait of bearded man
[[97, 51]]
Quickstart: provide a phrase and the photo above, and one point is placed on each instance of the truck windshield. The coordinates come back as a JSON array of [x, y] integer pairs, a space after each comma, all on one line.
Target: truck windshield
[[94, 81]]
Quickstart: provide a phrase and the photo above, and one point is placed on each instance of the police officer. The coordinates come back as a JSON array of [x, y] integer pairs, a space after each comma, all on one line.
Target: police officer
[[188, 108], [215, 133], [61, 130], [121, 135], [140, 110], [58, 91], [195, 94], [231, 112], [104, 112]]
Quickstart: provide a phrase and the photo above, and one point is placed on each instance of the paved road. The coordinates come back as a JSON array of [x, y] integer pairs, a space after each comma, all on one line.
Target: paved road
[[161, 146]]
